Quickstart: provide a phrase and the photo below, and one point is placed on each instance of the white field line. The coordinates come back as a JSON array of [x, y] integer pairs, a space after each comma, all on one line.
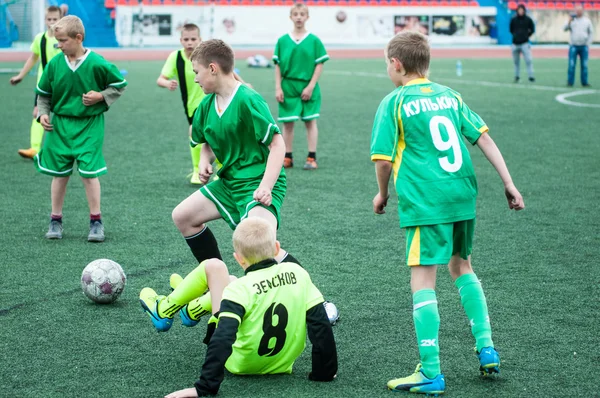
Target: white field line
[[560, 98]]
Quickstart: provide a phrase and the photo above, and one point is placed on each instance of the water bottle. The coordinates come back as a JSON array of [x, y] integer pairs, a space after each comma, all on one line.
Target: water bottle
[[458, 68]]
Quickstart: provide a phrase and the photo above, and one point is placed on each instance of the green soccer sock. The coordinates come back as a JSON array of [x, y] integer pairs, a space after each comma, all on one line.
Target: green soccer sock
[[192, 287], [473, 301], [199, 307], [427, 326], [37, 135], [195, 157]]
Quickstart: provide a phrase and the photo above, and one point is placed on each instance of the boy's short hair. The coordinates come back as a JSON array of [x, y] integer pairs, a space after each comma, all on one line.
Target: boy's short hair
[[188, 27], [214, 51], [71, 25], [299, 6], [412, 50], [54, 9], [254, 240]]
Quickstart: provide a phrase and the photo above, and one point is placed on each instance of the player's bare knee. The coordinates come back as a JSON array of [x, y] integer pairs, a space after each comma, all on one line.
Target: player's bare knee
[[180, 217], [214, 265]]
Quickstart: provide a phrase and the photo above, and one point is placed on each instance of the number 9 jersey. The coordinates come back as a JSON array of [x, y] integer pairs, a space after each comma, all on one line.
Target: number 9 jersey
[[420, 127]]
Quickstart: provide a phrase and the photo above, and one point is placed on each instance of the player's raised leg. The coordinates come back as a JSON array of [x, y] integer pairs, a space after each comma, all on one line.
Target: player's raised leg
[[189, 296], [190, 217], [58, 189], [288, 138], [474, 303], [312, 135]]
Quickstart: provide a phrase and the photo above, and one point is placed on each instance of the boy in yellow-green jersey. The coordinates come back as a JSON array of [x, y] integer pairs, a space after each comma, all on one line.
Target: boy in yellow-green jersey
[[259, 321], [178, 72], [43, 49], [419, 137]]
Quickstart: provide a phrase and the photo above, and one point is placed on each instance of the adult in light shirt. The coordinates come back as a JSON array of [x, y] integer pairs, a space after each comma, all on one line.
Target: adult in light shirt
[[582, 35]]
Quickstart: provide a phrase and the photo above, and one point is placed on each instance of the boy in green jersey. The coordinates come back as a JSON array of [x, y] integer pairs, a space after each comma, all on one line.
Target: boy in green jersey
[[299, 57], [77, 88], [233, 122], [259, 321], [178, 72], [43, 48], [418, 135]]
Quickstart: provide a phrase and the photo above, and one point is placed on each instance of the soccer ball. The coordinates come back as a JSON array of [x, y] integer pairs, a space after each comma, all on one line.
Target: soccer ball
[[332, 312], [103, 281]]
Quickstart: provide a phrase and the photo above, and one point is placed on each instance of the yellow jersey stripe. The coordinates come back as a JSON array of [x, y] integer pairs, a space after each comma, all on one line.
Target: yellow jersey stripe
[[381, 157]]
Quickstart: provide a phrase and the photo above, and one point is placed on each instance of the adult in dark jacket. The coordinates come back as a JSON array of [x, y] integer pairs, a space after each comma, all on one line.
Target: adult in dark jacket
[[522, 27]]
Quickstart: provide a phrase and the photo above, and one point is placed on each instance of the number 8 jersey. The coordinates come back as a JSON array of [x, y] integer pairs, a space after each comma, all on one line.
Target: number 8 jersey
[[270, 302], [420, 127]]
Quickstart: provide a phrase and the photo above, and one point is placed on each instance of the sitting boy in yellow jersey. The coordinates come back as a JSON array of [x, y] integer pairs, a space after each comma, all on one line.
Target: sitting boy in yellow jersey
[[262, 317]]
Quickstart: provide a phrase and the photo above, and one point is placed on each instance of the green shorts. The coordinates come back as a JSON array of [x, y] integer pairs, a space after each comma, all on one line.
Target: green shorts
[[293, 108], [73, 139], [436, 244], [234, 201]]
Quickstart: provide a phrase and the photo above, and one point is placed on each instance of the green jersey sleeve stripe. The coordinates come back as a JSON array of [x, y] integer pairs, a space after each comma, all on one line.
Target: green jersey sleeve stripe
[[42, 91], [194, 143], [323, 58], [267, 133], [119, 83]]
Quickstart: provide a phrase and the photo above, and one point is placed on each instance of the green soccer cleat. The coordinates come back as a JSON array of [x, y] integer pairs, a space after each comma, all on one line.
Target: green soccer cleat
[[489, 361], [149, 301], [418, 383]]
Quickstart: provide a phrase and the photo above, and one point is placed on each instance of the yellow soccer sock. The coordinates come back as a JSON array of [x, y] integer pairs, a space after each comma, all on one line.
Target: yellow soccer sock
[[199, 307], [195, 157], [37, 135], [193, 286]]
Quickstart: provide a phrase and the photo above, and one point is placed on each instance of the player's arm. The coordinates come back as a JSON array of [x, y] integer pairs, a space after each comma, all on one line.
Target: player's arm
[[324, 352], [272, 171], [44, 107], [492, 153], [220, 348], [383, 171], [308, 90], [278, 90], [29, 64], [207, 157], [165, 82]]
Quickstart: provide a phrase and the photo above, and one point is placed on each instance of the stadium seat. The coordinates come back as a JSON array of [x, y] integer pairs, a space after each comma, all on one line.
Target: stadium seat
[[190, 2], [512, 5], [596, 6], [550, 5], [168, 2], [179, 2], [223, 2], [540, 5], [569, 6], [464, 3], [474, 3], [110, 4], [588, 6], [560, 6], [454, 3], [113, 14]]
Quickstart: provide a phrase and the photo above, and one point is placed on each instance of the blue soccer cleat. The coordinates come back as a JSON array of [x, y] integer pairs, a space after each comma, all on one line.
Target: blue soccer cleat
[[149, 301], [418, 383], [489, 361]]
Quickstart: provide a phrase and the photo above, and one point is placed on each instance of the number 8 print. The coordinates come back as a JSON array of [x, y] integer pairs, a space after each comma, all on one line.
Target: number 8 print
[[452, 143], [271, 331]]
